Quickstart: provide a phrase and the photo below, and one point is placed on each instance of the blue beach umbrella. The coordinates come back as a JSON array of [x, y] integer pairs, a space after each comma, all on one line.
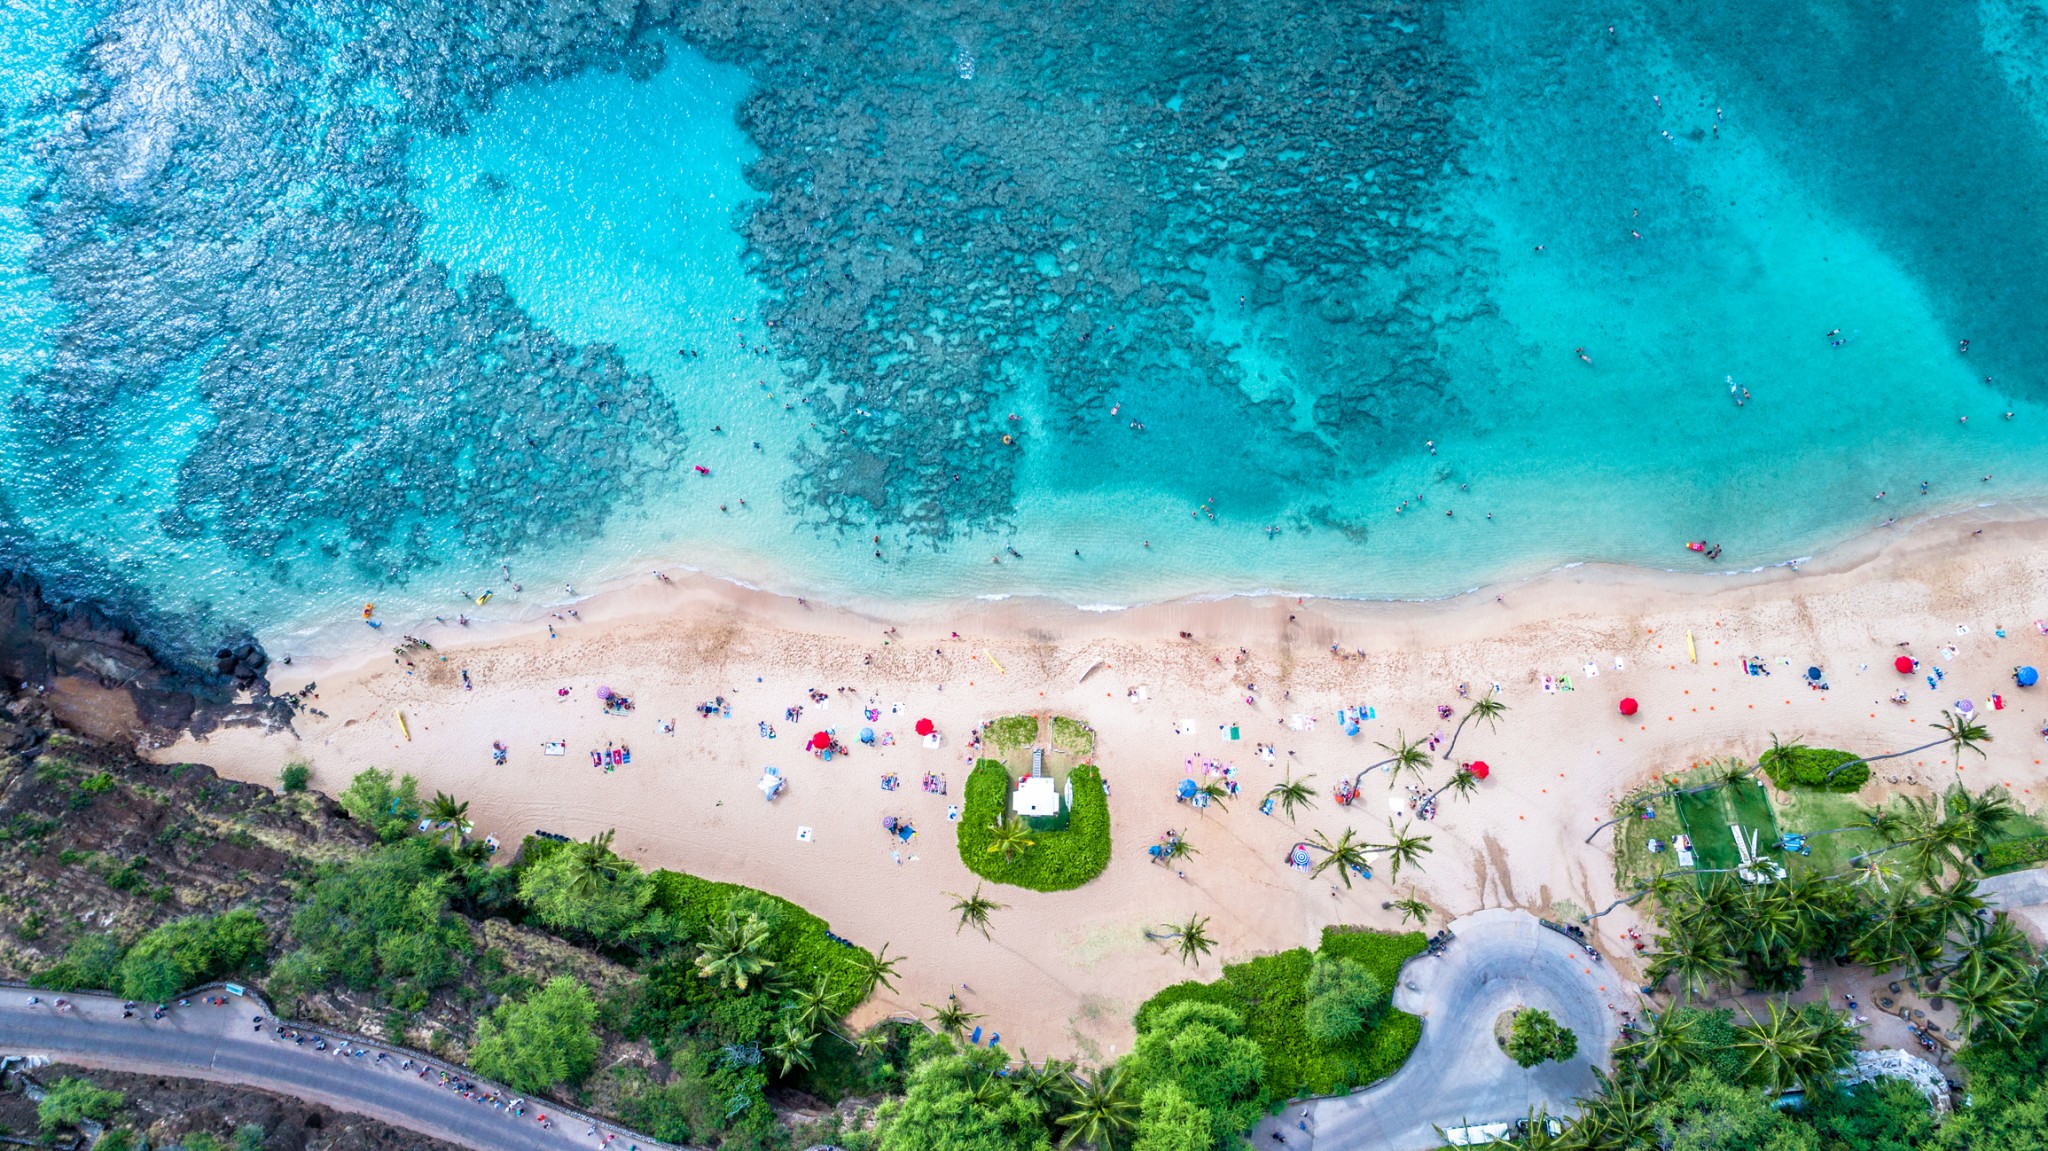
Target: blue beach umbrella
[[1351, 729], [1186, 789], [1813, 673], [2025, 676], [867, 735]]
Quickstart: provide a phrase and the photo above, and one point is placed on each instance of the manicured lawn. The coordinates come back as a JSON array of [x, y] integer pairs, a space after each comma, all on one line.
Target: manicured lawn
[[1806, 812], [1059, 860], [1270, 992], [1706, 816], [1634, 865]]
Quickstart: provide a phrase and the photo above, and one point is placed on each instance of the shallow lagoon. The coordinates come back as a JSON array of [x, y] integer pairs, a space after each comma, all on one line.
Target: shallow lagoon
[[1299, 248]]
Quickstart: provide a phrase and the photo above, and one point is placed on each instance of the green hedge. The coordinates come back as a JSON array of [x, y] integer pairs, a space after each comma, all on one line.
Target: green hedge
[[1010, 732], [184, 953], [2014, 854], [1798, 766], [1271, 992], [1059, 860], [799, 942]]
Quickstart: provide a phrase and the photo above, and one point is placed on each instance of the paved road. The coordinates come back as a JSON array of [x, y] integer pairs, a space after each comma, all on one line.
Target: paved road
[[222, 1045], [2023, 895], [1457, 1075]]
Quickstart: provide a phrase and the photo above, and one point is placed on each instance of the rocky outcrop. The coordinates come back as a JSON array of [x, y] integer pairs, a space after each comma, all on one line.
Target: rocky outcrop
[[101, 679]]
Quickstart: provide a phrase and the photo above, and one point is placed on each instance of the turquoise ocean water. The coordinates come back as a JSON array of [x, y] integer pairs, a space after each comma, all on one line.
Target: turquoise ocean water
[[313, 304]]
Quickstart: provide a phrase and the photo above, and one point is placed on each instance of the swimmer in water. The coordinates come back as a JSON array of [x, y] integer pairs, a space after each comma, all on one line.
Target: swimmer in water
[[1581, 353]]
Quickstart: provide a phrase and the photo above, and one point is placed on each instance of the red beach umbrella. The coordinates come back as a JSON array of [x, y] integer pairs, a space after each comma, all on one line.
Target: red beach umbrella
[[1905, 664], [821, 741], [1479, 769], [926, 727], [1628, 706]]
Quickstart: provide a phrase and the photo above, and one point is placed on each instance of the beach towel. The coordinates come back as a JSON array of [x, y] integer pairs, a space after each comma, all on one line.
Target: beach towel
[[1550, 685], [556, 748], [1565, 682], [1592, 670], [803, 834]]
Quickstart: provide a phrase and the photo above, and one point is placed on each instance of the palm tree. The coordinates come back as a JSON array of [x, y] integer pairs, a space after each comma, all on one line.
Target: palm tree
[[1402, 755], [1617, 1118], [1902, 931], [1042, 1084], [952, 1019], [1291, 793], [809, 1008], [973, 911], [1343, 853], [1010, 837], [1960, 733], [1994, 1001], [449, 814], [1887, 823], [1699, 959], [1462, 781], [1215, 793], [793, 1048], [1956, 906], [731, 951], [592, 865], [1669, 1047], [1403, 849], [1103, 1111], [1193, 936], [874, 968], [1777, 1050], [1951, 831], [1177, 848], [1486, 707], [1413, 908]]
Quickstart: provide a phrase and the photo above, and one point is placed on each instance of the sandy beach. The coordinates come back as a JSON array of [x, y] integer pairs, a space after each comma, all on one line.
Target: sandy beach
[[1064, 971]]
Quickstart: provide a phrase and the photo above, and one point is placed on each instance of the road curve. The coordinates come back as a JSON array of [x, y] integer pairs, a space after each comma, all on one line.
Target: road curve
[[222, 1044], [1501, 959]]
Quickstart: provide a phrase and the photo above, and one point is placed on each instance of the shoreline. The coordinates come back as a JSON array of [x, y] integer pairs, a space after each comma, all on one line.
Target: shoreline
[[633, 597], [1857, 547], [1065, 971]]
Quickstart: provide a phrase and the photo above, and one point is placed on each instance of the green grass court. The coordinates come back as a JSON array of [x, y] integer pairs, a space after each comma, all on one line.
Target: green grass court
[[1707, 815]]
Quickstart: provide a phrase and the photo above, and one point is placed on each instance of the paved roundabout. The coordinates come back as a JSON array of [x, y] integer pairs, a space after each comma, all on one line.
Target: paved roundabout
[[1501, 959]]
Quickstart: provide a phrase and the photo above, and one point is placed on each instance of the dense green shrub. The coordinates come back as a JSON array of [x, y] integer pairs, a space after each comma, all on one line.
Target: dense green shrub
[[1535, 1037], [2013, 854], [1010, 732], [1073, 737], [186, 952], [548, 1038], [295, 775], [1271, 993], [91, 963], [393, 809], [799, 942], [381, 922], [1800, 766], [70, 1102], [1059, 860], [1344, 999]]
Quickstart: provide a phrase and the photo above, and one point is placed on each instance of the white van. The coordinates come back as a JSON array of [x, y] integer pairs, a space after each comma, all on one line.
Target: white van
[[1479, 1134]]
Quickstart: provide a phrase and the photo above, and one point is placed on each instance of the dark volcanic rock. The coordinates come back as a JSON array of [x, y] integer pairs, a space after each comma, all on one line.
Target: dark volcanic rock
[[105, 681]]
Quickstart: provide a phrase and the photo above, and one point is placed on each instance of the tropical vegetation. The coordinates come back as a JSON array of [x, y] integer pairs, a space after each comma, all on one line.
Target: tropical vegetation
[[1272, 996], [1001, 849]]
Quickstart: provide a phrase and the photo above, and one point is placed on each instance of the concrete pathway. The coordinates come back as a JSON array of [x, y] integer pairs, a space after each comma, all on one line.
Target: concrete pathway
[[223, 1045], [1501, 959]]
